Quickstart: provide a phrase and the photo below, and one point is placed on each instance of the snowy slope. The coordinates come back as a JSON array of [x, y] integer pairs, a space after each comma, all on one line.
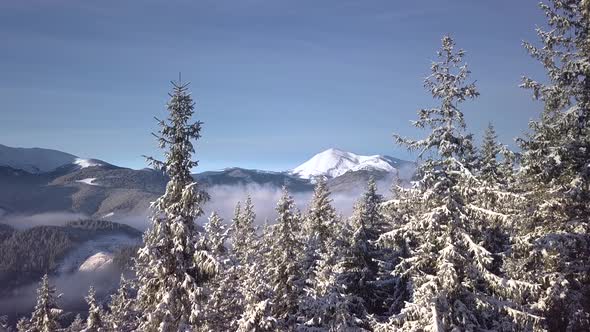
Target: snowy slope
[[99, 261], [333, 163]]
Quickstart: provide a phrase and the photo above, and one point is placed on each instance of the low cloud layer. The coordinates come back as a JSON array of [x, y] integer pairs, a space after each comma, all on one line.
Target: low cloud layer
[[265, 198]]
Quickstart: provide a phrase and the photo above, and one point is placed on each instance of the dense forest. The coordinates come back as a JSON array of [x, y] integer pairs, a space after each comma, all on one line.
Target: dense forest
[[485, 239]]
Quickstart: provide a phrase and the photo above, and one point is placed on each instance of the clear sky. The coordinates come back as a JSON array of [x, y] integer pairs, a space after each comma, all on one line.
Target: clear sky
[[275, 81]]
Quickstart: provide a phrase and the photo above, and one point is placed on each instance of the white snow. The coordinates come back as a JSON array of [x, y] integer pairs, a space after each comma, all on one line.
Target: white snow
[[97, 262], [83, 163], [333, 162], [108, 215], [88, 181]]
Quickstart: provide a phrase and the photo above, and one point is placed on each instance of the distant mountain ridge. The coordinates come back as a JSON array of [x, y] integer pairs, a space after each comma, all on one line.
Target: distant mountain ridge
[[102, 190], [39, 160]]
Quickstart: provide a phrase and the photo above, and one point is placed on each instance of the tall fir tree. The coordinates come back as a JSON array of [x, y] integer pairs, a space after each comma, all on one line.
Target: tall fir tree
[[284, 263], [224, 302], [447, 268], [255, 286], [318, 238], [317, 229], [215, 235], [94, 322], [244, 232], [494, 193], [122, 316], [553, 246], [46, 314], [171, 269], [362, 263], [489, 169], [77, 324]]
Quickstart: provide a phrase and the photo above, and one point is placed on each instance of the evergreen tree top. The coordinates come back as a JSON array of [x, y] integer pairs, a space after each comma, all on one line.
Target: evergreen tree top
[[447, 82]]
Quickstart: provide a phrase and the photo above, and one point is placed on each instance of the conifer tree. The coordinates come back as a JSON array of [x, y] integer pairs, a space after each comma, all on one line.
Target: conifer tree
[[283, 262], [45, 316], [361, 271], [77, 324], [215, 236], [235, 227], [494, 193], [94, 322], [171, 269], [319, 239], [255, 286], [489, 167], [448, 268], [22, 325], [553, 246], [317, 229], [122, 316], [244, 232], [223, 304]]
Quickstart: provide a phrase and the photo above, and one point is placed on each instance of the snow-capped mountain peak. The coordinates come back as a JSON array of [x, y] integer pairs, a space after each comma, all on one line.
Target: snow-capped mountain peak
[[332, 163]]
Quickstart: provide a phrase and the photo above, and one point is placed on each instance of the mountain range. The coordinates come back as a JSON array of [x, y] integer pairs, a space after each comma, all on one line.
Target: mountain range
[[35, 180]]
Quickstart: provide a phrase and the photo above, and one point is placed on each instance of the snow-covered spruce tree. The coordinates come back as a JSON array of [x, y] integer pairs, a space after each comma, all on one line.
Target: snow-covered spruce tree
[[494, 193], [318, 238], [236, 222], [45, 316], [554, 243], [283, 263], [170, 268], [226, 303], [216, 234], [317, 229], [223, 305], [349, 280], [22, 325], [122, 316], [448, 269], [244, 232], [493, 171], [331, 305], [366, 270], [94, 322], [397, 211], [77, 324], [489, 166], [255, 286]]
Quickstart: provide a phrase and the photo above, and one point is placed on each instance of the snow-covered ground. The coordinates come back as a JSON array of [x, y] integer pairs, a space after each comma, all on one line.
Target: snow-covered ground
[[333, 162], [89, 181]]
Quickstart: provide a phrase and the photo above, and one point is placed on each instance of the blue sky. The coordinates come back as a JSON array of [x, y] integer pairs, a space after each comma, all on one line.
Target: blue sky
[[275, 81]]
